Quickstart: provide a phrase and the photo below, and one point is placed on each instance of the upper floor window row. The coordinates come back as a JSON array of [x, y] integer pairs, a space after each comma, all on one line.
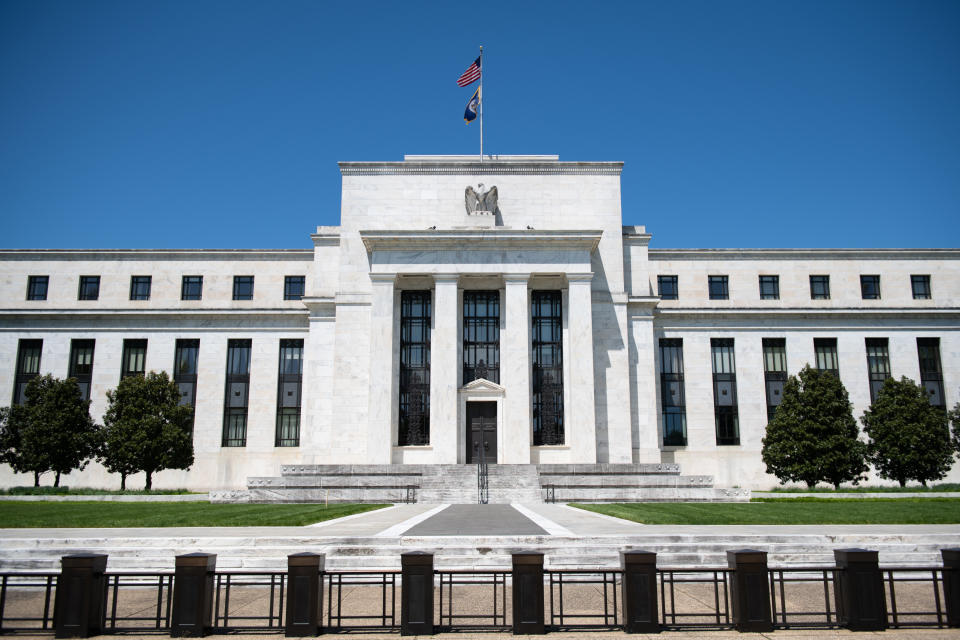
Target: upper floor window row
[[718, 287], [191, 287]]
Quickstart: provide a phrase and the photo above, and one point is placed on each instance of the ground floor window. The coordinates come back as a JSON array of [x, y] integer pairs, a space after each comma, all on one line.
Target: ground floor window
[[289, 391], [415, 314], [237, 393], [547, 338], [672, 399]]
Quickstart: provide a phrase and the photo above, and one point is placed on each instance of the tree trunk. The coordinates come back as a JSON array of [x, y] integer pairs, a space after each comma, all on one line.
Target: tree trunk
[[149, 480], [902, 481], [836, 486], [123, 482], [56, 481], [36, 478]]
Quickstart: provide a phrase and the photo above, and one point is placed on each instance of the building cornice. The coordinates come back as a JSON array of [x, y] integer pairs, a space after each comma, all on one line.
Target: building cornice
[[277, 311], [479, 240], [156, 254], [880, 312], [804, 254], [470, 165]]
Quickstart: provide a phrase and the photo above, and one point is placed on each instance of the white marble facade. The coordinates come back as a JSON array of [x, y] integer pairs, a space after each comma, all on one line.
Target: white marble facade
[[558, 226]]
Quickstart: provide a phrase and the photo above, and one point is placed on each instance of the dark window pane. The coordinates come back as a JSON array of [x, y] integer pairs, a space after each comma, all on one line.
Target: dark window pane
[[774, 371], [289, 390], [769, 287], [28, 367], [140, 287], [547, 338], [672, 399], [667, 287], [415, 315], [820, 287], [81, 365], [931, 372], [185, 358], [725, 391], [878, 364], [870, 287], [191, 288], [825, 350], [89, 288], [243, 287], [134, 358], [37, 287], [921, 287], [718, 287], [481, 336], [237, 393], [293, 287]]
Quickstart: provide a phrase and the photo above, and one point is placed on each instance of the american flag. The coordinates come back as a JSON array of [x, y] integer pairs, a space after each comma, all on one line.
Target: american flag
[[471, 75]]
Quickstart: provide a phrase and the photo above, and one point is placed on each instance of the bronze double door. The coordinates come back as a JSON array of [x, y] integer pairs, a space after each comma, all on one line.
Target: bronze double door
[[481, 432]]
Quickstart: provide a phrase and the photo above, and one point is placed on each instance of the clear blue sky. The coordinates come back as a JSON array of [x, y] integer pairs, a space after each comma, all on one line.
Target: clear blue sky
[[219, 124]]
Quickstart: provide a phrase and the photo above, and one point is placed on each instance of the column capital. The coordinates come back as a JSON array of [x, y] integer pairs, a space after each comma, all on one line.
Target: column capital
[[446, 278], [579, 277], [383, 278], [516, 278]]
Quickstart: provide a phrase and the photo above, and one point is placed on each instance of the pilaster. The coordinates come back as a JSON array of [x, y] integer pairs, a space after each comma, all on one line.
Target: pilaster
[[581, 418], [515, 371], [444, 426], [383, 405]]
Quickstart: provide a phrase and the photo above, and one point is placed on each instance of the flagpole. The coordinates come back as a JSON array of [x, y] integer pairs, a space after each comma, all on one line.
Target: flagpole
[[480, 104]]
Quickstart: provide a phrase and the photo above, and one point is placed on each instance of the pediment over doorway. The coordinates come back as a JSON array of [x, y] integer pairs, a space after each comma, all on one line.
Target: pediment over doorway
[[482, 386]]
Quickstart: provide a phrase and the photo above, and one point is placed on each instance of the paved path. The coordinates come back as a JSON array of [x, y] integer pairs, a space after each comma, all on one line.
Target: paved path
[[476, 520]]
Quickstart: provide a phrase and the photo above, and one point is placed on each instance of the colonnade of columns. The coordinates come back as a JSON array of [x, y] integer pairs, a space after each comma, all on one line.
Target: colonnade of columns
[[515, 424]]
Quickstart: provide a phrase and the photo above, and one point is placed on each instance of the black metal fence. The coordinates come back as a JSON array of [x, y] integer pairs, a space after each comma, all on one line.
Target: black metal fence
[[84, 599]]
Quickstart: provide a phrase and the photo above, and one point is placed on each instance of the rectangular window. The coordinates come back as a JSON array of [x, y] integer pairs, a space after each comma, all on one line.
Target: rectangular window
[[921, 287], [769, 287], [237, 393], [28, 367], [931, 373], [819, 287], [870, 287], [415, 315], [140, 287], [134, 358], [774, 372], [37, 287], [481, 336], [185, 358], [547, 339], [89, 288], [718, 287], [672, 398], [81, 365], [243, 287], [825, 351], [667, 287], [725, 391], [191, 288], [289, 390], [878, 364], [293, 287]]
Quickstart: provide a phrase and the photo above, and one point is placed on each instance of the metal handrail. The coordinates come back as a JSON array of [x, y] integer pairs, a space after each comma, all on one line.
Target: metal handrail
[[483, 477]]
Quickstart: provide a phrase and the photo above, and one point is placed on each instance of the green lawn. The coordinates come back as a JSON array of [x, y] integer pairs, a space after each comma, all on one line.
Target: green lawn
[[790, 511], [944, 486], [169, 514]]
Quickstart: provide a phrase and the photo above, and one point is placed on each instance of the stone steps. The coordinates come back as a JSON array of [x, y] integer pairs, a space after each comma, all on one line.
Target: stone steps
[[355, 553]]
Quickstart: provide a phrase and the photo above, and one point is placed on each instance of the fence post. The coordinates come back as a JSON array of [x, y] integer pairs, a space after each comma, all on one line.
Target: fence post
[[750, 590], [951, 585], [416, 594], [639, 589], [858, 585], [193, 594], [79, 606], [304, 594], [527, 578]]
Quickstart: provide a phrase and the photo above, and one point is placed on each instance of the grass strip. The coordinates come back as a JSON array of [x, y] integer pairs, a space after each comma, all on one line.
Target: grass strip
[[67, 491], [945, 486], [169, 514], [788, 511]]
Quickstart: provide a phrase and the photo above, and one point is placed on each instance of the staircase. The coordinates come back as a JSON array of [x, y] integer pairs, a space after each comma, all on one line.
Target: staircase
[[448, 483]]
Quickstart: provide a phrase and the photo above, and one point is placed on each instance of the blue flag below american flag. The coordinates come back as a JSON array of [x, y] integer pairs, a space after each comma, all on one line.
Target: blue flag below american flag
[[470, 113]]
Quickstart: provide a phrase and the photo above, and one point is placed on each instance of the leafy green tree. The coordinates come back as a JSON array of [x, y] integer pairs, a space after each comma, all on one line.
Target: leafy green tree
[[909, 438], [954, 416], [146, 429], [52, 431], [813, 434]]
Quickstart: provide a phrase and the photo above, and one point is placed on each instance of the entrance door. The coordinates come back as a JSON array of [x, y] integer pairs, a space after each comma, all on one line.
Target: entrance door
[[481, 432]]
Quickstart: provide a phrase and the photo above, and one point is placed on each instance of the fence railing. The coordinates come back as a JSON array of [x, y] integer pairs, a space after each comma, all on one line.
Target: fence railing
[[84, 599]]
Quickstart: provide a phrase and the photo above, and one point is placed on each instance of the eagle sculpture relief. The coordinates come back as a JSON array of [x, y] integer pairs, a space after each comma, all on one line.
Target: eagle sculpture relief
[[480, 200]]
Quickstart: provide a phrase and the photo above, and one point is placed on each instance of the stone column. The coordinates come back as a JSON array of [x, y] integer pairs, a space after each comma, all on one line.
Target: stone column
[[643, 382], [516, 431], [444, 425], [381, 430], [580, 418]]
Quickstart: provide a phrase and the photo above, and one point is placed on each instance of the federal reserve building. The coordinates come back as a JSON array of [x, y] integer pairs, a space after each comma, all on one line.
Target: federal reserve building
[[466, 312]]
